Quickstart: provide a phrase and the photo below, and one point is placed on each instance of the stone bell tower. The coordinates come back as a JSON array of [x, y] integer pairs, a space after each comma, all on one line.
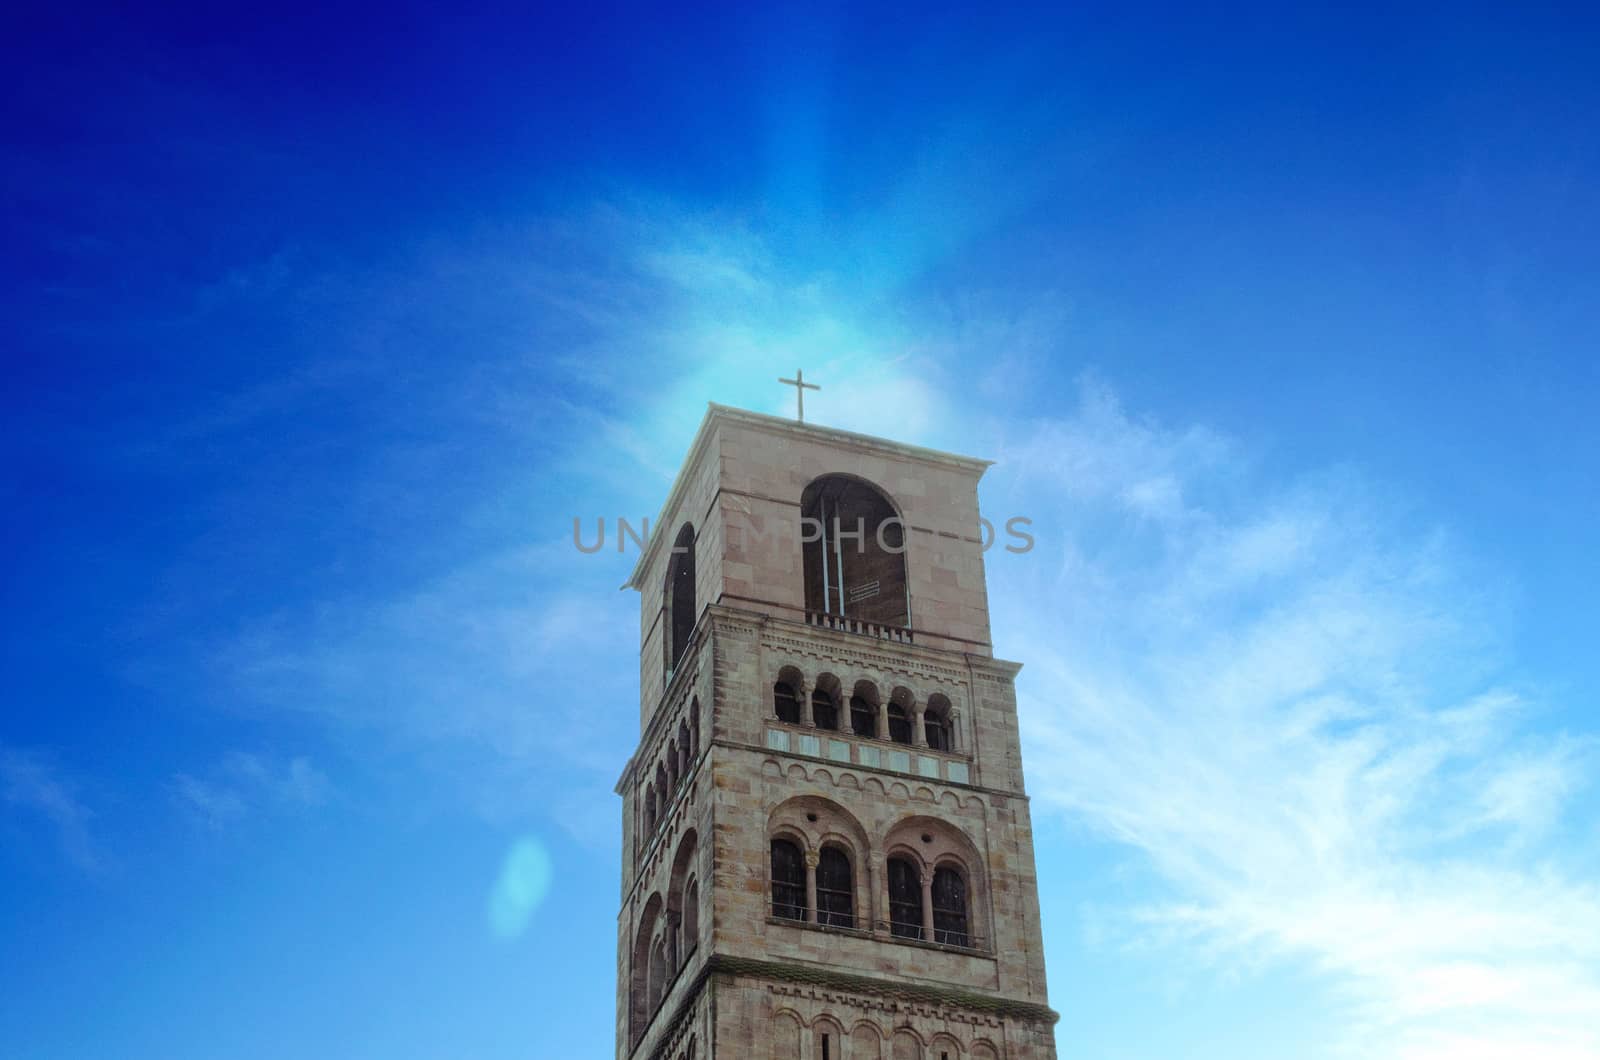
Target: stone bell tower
[[827, 852]]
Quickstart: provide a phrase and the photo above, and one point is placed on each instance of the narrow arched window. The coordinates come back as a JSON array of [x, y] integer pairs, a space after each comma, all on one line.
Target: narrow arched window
[[691, 917], [827, 1039], [785, 703], [857, 565], [950, 907], [658, 971], [899, 723], [788, 881], [824, 712], [936, 724], [905, 899], [684, 755], [649, 809], [835, 894], [863, 717], [680, 604]]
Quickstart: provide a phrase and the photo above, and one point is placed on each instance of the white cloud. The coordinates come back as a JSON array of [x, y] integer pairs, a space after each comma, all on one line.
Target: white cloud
[[709, 309], [242, 783], [502, 669], [216, 805], [485, 673], [1288, 702], [1100, 455], [31, 782]]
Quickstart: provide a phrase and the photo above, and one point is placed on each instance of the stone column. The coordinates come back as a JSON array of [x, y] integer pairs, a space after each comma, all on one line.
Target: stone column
[[811, 886], [919, 731], [880, 893], [927, 905], [883, 720], [805, 707]]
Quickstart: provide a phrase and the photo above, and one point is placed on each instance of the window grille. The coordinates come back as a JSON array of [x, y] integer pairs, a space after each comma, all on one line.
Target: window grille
[[950, 907], [905, 899], [899, 724], [785, 704], [823, 711], [835, 898], [788, 881], [863, 717]]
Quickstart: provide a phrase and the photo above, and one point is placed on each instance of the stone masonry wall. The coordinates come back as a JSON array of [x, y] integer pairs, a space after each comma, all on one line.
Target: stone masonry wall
[[696, 505], [752, 781], [741, 983], [764, 470], [764, 1019]]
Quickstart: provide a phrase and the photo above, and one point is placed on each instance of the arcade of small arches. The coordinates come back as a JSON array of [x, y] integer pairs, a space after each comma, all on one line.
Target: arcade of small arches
[[921, 881], [667, 936], [863, 711], [672, 770], [825, 1038]]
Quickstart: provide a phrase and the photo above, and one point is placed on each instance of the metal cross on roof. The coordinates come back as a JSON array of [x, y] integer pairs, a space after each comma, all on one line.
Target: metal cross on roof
[[800, 387]]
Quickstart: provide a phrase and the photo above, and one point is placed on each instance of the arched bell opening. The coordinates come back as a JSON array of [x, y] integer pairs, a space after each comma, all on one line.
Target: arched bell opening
[[856, 565]]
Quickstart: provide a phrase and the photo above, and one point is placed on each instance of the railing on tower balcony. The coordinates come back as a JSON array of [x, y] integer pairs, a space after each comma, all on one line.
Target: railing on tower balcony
[[846, 624]]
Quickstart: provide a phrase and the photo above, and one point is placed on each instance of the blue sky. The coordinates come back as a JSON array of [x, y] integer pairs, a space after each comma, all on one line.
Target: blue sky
[[321, 328]]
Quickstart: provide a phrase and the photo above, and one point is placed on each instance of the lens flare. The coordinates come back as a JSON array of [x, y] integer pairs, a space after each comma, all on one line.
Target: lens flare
[[520, 889]]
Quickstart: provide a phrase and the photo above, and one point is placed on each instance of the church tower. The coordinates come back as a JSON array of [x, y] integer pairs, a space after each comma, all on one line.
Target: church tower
[[827, 852]]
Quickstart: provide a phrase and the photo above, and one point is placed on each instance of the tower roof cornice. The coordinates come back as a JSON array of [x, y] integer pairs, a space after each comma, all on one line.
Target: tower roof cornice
[[717, 415]]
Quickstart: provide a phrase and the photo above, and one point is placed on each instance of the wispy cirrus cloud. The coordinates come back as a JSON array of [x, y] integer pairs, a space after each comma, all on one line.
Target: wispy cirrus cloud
[[488, 672], [487, 660], [32, 783], [1291, 698], [1293, 704], [242, 783]]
